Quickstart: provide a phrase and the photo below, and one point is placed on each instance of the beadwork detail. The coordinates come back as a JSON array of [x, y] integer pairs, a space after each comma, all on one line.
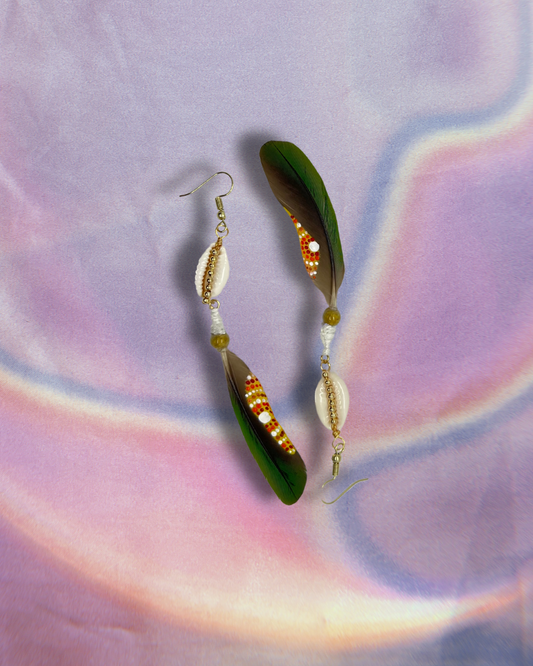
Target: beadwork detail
[[258, 402], [332, 404], [212, 272], [332, 392], [309, 248]]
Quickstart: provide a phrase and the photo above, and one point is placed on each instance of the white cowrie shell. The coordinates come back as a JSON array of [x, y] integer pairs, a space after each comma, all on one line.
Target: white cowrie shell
[[341, 397], [221, 272]]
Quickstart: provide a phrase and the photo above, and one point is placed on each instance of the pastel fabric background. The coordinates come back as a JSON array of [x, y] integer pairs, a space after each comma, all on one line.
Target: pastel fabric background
[[135, 527]]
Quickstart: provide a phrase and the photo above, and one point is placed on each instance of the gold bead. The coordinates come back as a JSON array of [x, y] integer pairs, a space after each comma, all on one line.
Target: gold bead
[[220, 341], [331, 316]]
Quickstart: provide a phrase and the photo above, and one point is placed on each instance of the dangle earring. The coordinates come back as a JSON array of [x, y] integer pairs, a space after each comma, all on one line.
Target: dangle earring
[[299, 188], [273, 451]]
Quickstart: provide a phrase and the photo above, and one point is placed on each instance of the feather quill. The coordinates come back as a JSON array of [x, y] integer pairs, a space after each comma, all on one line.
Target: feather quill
[[272, 449], [300, 190]]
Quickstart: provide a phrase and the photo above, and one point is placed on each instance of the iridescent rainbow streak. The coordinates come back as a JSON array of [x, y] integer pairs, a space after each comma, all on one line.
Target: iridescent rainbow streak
[[241, 567], [394, 270]]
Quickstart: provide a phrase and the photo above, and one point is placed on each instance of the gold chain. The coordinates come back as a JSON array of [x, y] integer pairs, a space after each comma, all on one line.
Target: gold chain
[[332, 399], [209, 276]]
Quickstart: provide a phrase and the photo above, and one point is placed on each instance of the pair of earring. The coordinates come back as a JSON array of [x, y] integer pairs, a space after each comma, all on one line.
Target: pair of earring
[[300, 190]]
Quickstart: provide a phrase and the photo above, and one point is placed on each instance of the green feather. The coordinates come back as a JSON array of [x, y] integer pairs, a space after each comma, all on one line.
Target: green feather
[[300, 190], [285, 472]]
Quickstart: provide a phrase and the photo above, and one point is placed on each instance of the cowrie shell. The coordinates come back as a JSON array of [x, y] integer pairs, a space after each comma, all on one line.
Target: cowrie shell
[[221, 272], [342, 400]]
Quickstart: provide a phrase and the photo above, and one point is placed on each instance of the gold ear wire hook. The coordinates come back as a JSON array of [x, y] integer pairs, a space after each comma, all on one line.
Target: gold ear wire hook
[[344, 491], [221, 213], [336, 458], [336, 464], [221, 228], [206, 181]]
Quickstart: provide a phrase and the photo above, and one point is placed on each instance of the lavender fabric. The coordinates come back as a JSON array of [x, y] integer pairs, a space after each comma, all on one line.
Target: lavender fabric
[[135, 527]]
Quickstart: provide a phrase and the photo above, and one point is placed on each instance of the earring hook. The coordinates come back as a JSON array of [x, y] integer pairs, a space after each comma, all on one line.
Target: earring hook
[[206, 181], [336, 458], [221, 229], [344, 491]]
